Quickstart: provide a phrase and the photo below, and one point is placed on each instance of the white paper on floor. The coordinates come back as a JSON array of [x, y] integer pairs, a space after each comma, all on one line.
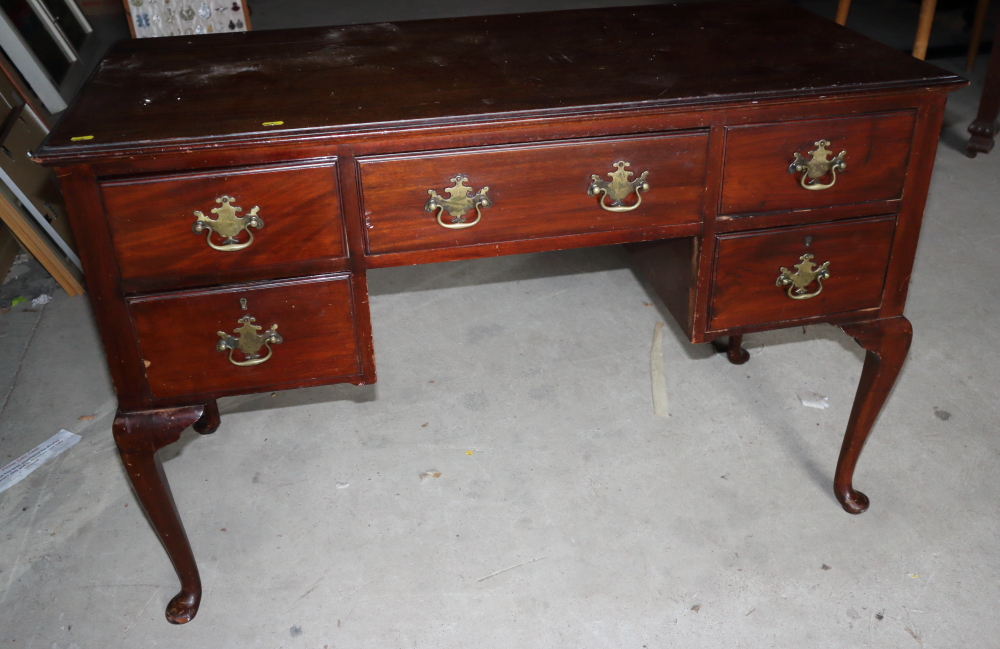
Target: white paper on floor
[[813, 400], [20, 468]]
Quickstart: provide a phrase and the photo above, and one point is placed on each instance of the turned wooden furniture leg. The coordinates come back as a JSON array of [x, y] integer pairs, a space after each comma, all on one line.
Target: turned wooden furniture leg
[[210, 419], [138, 436], [887, 342], [734, 349], [984, 127]]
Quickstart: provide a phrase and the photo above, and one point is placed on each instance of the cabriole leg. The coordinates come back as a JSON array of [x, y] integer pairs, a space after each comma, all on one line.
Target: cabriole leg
[[139, 435], [210, 419], [887, 343], [734, 349]]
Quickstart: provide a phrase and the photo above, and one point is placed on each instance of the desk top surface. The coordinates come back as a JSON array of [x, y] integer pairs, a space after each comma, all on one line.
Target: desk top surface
[[224, 88]]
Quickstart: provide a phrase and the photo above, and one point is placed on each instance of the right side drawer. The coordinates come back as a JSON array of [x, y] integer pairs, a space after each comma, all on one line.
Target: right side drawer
[[297, 207], [757, 179], [747, 290]]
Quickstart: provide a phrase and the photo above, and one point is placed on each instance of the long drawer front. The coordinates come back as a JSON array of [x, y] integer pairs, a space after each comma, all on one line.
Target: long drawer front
[[248, 337], [225, 220], [790, 274], [496, 194]]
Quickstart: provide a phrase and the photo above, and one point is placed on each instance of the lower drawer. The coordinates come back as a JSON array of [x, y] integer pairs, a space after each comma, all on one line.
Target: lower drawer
[[846, 272], [225, 340]]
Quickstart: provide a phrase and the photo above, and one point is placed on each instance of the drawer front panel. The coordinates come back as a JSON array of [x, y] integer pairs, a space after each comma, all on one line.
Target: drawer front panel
[[179, 336], [748, 266], [535, 192], [152, 220], [756, 176]]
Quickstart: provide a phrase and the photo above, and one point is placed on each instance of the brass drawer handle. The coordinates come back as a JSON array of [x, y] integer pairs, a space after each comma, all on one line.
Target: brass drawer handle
[[619, 188], [227, 224], [819, 166], [249, 341], [806, 272], [458, 203]]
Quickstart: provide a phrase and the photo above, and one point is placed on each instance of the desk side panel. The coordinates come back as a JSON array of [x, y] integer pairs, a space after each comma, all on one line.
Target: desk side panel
[[86, 215], [918, 179]]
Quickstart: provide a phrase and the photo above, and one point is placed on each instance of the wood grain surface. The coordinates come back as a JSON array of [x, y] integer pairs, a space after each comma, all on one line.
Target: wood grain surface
[[535, 191], [757, 157], [139, 435], [315, 316], [748, 265], [451, 71], [151, 218]]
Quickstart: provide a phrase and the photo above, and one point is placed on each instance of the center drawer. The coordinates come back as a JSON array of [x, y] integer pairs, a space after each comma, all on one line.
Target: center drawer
[[533, 191], [248, 337]]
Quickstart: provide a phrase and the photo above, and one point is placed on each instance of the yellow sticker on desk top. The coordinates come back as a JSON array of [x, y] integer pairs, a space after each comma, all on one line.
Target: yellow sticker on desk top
[[81, 138], [278, 123]]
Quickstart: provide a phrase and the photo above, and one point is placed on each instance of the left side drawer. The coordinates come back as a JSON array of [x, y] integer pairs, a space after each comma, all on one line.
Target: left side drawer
[[221, 340], [264, 216]]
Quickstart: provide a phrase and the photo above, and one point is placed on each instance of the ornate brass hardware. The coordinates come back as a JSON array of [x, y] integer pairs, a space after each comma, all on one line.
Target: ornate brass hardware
[[619, 188], [458, 203], [248, 340], [806, 272], [227, 224], [819, 166]]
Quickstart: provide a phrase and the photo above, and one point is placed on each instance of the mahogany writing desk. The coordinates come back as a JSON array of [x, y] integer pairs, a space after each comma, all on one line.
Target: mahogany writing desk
[[766, 168]]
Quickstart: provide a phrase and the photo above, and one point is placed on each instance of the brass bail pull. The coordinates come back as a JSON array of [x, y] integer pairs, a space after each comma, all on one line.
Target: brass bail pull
[[227, 224], [460, 202], [818, 166], [248, 341], [620, 188], [806, 272]]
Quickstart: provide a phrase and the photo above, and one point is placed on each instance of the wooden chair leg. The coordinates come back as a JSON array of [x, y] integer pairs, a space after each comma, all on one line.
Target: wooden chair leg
[[887, 342], [139, 435], [843, 7], [984, 127], [976, 36], [924, 24], [924, 28], [734, 349]]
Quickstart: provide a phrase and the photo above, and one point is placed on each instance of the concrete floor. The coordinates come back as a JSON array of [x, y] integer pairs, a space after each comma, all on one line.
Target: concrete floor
[[525, 382]]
